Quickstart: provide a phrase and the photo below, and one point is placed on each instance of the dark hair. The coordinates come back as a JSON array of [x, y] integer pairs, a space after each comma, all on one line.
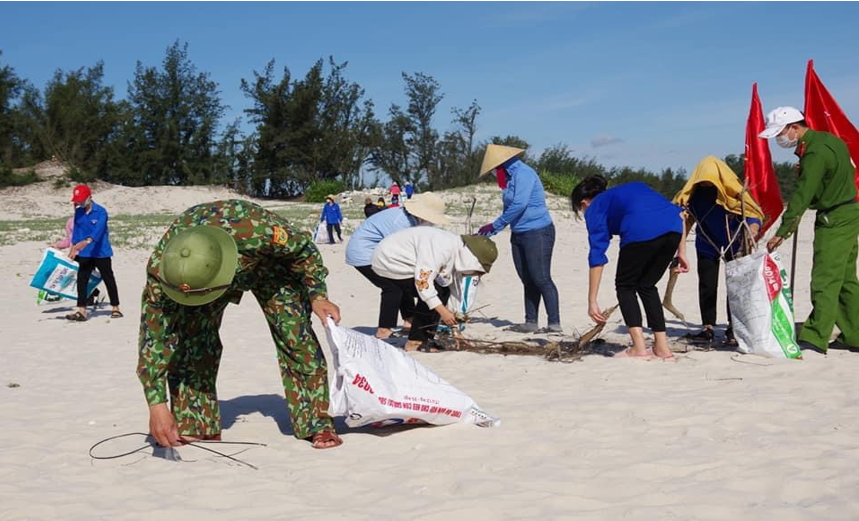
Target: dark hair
[[589, 188]]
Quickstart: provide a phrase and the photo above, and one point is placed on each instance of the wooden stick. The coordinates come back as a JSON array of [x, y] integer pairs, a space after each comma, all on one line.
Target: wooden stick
[[793, 265]]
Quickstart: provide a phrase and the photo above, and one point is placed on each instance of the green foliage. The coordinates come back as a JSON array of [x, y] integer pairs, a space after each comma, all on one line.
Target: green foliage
[[77, 176], [307, 130], [457, 158], [559, 184], [318, 191], [785, 172], [74, 119], [12, 147], [9, 178], [170, 137]]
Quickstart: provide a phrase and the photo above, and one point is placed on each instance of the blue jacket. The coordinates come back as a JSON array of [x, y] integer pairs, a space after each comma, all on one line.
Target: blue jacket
[[524, 200], [410, 190], [634, 211], [362, 244], [712, 220], [331, 214], [94, 226]]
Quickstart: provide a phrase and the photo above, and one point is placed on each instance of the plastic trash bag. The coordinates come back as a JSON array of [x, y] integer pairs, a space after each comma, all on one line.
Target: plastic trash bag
[[58, 275], [377, 384], [762, 306]]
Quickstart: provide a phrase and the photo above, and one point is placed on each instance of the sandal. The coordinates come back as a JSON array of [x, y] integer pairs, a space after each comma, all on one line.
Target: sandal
[[705, 337], [77, 316], [626, 353], [326, 437], [730, 339], [432, 346], [116, 314], [527, 327]]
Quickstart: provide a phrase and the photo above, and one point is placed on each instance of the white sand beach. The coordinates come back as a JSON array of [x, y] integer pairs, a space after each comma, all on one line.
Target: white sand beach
[[714, 436]]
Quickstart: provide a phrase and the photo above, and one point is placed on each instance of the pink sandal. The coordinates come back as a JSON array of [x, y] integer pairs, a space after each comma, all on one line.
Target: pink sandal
[[626, 354]]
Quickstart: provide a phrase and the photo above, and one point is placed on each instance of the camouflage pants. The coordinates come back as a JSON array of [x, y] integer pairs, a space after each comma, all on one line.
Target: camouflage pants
[[193, 370]]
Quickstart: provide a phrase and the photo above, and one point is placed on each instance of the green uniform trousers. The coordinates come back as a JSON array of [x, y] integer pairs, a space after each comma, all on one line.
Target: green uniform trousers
[[834, 286], [193, 370]]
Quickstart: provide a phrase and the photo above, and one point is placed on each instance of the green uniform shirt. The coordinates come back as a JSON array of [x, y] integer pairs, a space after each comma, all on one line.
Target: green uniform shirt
[[826, 178], [271, 254]]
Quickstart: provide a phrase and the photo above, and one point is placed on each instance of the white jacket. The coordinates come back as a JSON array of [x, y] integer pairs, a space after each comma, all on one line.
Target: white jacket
[[426, 254]]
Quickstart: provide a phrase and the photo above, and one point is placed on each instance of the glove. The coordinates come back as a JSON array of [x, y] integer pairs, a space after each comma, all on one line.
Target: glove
[[486, 230]]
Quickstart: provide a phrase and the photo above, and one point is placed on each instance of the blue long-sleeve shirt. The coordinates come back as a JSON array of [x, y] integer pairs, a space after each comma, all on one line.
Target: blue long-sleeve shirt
[[331, 214], [362, 244], [524, 200], [635, 212], [94, 226], [712, 220]]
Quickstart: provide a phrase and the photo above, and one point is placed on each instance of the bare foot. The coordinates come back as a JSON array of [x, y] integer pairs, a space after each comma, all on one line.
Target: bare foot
[[666, 355], [407, 324], [326, 440], [632, 352], [383, 333], [413, 345]]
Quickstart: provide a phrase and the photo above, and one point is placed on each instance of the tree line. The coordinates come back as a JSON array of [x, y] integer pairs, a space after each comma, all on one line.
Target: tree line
[[170, 129]]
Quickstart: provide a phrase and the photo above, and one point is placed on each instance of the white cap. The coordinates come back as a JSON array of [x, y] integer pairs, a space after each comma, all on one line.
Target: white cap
[[780, 118]]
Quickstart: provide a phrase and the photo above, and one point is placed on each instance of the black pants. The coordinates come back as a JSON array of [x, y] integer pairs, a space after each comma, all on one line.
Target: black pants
[[639, 268], [86, 265], [708, 290], [425, 320], [394, 299], [336, 226]]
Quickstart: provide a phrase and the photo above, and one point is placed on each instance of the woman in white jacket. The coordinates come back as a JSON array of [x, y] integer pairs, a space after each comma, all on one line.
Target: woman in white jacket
[[425, 261]]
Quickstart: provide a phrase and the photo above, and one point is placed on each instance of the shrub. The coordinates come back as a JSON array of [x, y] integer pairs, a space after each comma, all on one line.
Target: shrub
[[317, 192], [9, 178], [559, 184], [80, 177]]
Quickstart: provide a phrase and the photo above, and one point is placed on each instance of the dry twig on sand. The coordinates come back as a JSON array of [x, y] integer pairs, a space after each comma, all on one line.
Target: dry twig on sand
[[561, 351]]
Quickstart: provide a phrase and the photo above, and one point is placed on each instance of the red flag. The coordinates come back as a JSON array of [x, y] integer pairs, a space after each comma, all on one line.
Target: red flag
[[758, 169], [823, 113]]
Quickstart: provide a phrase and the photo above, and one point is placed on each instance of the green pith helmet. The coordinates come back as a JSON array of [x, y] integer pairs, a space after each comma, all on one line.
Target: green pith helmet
[[483, 248], [198, 265]]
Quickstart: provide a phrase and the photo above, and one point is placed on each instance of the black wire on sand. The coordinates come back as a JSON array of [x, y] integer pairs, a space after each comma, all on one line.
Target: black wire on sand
[[195, 444]]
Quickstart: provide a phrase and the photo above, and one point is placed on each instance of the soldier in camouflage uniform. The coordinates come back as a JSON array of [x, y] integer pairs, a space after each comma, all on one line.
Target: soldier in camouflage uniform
[[180, 348]]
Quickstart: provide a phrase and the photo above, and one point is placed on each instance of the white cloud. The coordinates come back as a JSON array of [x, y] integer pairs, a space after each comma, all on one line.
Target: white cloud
[[602, 140]]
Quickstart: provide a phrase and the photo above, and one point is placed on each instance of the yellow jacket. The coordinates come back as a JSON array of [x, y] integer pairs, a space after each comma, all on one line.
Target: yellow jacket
[[728, 188]]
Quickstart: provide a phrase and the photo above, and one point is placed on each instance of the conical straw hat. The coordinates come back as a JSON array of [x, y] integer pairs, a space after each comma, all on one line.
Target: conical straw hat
[[497, 155], [428, 207]]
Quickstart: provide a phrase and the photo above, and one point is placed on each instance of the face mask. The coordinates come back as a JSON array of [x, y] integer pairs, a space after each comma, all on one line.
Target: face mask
[[785, 142], [501, 177]]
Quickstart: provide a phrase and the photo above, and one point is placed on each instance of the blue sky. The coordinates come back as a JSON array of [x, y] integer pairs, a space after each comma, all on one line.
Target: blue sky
[[641, 84]]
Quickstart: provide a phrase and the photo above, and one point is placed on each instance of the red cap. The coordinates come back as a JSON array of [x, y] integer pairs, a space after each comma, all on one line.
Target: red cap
[[80, 193]]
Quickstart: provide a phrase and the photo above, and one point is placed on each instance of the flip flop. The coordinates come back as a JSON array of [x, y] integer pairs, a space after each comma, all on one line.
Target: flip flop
[[669, 358], [626, 354], [326, 437], [522, 328], [77, 316], [116, 314], [431, 347]]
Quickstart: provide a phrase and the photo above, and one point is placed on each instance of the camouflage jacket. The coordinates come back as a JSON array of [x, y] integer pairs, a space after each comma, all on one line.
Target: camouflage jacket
[[271, 253]]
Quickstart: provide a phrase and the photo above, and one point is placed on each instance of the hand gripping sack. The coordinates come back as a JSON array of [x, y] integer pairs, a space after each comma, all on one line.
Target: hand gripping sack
[[377, 384], [58, 275], [762, 306]]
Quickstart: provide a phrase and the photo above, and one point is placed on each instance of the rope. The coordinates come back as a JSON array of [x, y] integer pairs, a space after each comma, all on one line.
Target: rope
[[195, 444]]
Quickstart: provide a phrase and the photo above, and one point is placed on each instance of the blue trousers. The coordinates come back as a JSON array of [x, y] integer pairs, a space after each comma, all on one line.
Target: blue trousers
[[532, 256]]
